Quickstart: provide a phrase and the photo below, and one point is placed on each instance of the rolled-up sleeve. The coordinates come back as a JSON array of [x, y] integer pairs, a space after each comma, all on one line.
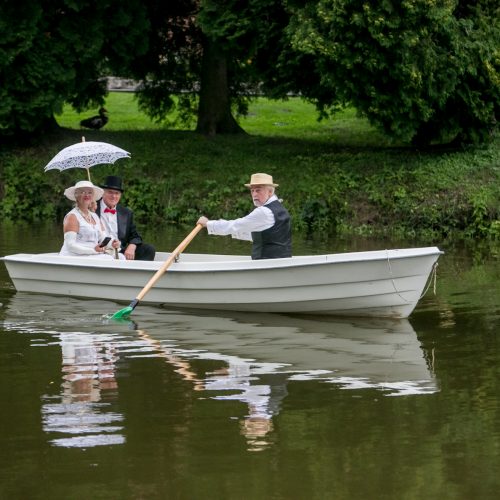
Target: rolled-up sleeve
[[260, 219]]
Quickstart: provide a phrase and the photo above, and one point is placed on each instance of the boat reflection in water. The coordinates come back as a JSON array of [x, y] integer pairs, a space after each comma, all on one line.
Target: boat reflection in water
[[251, 358]]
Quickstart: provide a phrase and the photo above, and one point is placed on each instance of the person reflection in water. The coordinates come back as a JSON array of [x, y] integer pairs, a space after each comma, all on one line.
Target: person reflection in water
[[88, 369], [237, 377], [263, 399], [81, 416]]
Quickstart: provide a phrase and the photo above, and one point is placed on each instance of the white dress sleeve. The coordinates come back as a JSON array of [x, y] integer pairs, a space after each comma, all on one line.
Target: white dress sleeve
[[73, 246]]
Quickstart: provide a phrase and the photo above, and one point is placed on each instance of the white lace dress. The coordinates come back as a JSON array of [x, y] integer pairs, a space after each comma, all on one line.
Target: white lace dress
[[88, 236]]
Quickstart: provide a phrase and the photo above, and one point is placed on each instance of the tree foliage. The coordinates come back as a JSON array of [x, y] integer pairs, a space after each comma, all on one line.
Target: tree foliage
[[56, 51], [422, 70], [204, 52]]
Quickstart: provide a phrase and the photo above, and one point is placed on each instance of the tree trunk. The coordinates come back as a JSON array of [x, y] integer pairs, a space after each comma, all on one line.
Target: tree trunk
[[214, 109]]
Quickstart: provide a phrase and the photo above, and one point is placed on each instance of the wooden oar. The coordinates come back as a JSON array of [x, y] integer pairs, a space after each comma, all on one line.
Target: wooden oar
[[185, 242]]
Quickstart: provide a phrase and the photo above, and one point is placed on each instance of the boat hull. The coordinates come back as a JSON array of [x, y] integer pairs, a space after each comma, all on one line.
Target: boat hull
[[386, 283]]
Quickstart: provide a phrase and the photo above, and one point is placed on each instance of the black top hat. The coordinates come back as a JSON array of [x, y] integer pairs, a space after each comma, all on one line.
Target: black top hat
[[113, 182]]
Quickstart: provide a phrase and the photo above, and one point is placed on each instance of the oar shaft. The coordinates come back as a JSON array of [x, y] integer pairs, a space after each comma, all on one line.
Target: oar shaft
[[123, 313], [180, 248]]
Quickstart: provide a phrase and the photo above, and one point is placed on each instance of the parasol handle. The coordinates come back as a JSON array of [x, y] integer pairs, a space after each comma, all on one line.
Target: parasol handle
[[88, 171]]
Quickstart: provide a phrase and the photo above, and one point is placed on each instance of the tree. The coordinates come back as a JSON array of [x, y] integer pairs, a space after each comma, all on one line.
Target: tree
[[52, 52], [197, 62], [214, 109], [422, 71]]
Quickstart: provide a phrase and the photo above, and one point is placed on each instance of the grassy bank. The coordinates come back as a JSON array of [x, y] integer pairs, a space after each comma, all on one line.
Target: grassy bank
[[337, 175]]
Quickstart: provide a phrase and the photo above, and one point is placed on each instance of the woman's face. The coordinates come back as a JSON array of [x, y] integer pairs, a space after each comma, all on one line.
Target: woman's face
[[84, 197]]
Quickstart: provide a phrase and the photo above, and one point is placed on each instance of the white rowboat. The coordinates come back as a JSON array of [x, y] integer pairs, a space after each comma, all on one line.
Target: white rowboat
[[381, 283]]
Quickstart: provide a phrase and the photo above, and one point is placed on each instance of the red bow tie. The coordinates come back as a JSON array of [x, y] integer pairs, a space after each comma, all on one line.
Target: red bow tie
[[110, 210]]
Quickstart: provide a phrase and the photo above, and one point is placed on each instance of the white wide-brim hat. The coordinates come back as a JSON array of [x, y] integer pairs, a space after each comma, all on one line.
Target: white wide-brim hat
[[262, 180], [70, 192]]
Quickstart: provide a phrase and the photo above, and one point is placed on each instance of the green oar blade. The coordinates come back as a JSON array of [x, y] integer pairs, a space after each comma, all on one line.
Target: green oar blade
[[126, 311], [122, 313]]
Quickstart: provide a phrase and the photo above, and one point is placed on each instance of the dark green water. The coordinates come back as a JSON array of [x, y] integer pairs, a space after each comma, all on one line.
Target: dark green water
[[178, 405]]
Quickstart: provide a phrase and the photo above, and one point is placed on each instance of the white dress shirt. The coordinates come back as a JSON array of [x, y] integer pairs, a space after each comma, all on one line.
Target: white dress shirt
[[109, 221], [260, 219]]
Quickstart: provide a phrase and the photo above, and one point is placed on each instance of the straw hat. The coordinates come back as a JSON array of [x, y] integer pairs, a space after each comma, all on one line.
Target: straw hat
[[261, 179], [70, 192]]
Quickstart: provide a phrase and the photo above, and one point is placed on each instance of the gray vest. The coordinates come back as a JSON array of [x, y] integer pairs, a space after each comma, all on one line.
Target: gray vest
[[275, 242]]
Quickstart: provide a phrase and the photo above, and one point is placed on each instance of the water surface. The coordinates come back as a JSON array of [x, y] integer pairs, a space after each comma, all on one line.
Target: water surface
[[186, 404]]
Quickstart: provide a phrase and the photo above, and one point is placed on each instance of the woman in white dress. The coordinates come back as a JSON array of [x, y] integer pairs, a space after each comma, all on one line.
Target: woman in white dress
[[83, 231]]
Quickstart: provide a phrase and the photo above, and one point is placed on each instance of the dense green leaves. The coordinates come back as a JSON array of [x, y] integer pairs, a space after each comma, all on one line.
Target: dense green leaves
[[335, 176], [426, 71], [421, 70], [52, 52], [206, 51]]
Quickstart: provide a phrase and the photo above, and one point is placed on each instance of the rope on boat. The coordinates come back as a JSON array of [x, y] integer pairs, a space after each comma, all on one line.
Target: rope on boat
[[392, 279], [432, 279]]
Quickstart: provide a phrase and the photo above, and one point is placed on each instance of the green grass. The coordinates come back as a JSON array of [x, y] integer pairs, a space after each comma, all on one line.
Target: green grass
[[123, 111], [337, 175], [291, 118]]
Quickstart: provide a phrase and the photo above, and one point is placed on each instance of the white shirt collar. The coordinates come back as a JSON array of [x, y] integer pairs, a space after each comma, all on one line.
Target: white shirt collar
[[270, 200]]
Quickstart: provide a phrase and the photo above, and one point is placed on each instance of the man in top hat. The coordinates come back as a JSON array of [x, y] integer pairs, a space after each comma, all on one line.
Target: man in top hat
[[268, 226], [119, 221]]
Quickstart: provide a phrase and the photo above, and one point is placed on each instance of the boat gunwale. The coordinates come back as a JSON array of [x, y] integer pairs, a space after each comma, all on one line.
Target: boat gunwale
[[295, 262]]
